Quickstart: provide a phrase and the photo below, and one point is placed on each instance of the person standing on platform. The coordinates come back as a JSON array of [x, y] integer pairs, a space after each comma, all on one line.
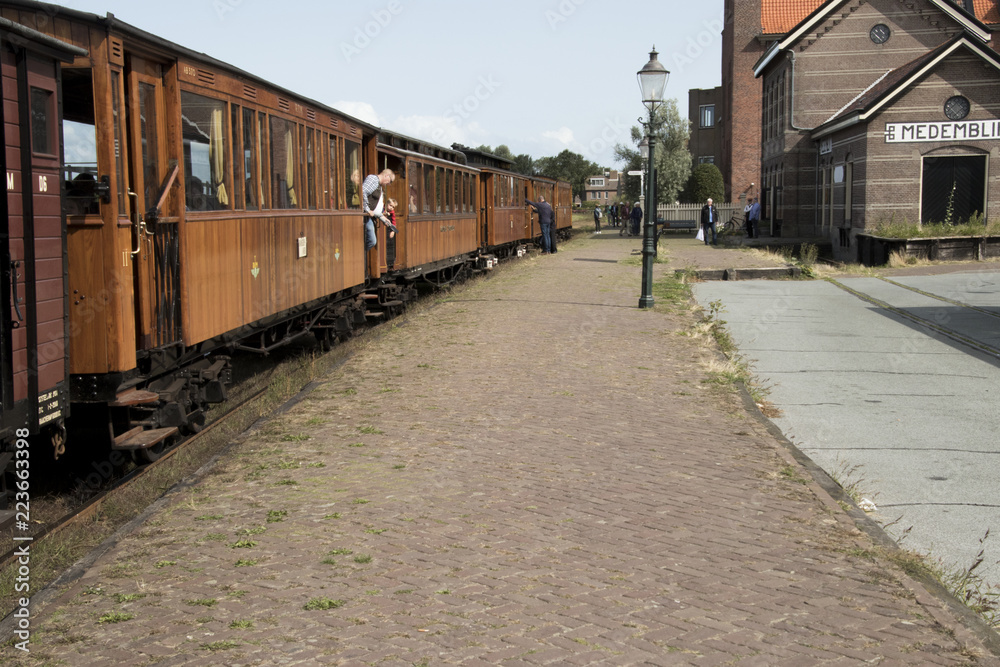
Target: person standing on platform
[[709, 216], [597, 219], [373, 202], [753, 218], [636, 219], [545, 219]]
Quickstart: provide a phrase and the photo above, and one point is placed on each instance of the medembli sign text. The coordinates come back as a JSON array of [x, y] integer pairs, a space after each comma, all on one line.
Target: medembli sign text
[[949, 131]]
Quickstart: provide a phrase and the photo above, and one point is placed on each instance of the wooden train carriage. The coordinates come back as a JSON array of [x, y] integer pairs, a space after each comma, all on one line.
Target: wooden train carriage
[[203, 205], [437, 198], [562, 205], [505, 220], [34, 370], [540, 188]]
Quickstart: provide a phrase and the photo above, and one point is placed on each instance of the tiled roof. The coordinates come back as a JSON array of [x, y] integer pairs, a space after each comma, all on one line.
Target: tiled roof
[[780, 16]]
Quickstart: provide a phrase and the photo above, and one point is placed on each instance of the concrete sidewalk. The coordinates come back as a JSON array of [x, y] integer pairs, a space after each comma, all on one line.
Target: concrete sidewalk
[[531, 471]]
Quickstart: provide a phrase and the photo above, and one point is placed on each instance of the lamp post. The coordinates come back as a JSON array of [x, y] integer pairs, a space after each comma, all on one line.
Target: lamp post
[[644, 154], [652, 82]]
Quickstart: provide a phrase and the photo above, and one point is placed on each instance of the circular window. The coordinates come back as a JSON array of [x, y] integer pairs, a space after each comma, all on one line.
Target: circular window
[[956, 108], [879, 33]]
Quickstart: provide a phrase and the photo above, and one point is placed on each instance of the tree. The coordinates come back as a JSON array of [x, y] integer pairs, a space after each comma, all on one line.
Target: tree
[[673, 160], [568, 166], [705, 183], [524, 164]]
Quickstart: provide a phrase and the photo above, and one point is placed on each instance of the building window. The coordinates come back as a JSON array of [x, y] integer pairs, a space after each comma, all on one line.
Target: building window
[[956, 108], [706, 159], [879, 33], [706, 113]]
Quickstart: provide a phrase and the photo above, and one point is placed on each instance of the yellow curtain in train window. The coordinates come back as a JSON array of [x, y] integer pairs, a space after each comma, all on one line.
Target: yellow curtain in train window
[[290, 163], [217, 156]]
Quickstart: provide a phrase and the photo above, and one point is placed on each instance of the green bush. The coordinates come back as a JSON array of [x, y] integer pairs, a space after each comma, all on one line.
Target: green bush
[[705, 182], [974, 226]]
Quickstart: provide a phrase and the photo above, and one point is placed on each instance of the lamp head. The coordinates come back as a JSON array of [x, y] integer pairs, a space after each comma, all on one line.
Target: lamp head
[[653, 81]]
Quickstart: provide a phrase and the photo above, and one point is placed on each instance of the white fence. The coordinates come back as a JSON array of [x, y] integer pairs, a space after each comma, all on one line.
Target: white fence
[[693, 211]]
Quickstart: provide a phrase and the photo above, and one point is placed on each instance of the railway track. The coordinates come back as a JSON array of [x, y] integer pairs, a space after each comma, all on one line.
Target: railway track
[[937, 324], [92, 505]]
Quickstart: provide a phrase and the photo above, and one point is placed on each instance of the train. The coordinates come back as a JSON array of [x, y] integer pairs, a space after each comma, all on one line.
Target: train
[[165, 209]]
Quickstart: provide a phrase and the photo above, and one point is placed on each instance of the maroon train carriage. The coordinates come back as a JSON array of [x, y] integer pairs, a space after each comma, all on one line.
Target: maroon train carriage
[[34, 370], [437, 214], [505, 221]]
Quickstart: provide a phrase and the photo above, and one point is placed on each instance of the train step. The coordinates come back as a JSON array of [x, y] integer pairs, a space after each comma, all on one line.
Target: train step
[[134, 397], [389, 304], [369, 297], [145, 439], [374, 314]]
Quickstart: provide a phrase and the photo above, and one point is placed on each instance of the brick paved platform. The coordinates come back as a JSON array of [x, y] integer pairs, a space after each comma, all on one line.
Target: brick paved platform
[[532, 471]]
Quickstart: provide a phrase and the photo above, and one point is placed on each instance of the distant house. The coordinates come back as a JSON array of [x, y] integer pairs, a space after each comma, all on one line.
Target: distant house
[[604, 188]]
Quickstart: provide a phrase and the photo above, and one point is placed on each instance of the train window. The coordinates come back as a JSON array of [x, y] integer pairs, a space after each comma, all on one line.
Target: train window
[[116, 119], [284, 158], [413, 180], [311, 166], [41, 121], [79, 143], [473, 182], [428, 193], [250, 162], [449, 176], [262, 168], [458, 193], [439, 193], [352, 169], [234, 115], [203, 130], [336, 201]]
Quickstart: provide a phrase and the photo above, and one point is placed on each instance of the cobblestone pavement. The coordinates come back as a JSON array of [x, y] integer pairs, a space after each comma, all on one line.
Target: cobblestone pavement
[[530, 471]]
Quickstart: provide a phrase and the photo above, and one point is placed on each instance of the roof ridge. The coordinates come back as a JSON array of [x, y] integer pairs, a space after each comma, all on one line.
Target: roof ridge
[[861, 94]]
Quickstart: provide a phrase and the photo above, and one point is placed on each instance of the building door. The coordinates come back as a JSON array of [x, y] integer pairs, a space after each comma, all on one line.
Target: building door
[[954, 188], [154, 234]]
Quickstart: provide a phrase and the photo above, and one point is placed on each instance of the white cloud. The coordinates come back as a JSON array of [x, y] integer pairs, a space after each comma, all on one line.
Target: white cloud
[[563, 135], [441, 130], [360, 110]]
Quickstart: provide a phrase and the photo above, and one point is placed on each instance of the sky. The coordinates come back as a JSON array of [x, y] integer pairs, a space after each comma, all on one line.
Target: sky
[[539, 76]]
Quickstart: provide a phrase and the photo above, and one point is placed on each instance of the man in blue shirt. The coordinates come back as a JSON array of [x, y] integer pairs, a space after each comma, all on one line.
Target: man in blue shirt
[[753, 218], [545, 220]]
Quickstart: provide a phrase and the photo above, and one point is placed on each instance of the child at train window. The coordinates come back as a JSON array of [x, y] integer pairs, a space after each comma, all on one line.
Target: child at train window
[[390, 213]]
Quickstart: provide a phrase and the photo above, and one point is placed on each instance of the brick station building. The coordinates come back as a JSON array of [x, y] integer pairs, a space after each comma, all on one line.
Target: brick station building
[[880, 109]]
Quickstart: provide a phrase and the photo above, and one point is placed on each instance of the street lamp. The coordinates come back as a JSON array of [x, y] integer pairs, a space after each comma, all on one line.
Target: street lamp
[[652, 82]]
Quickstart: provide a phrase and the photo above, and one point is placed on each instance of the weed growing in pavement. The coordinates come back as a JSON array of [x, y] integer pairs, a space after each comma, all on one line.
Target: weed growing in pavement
[[791, 474], [968, 585], [738, 368], [274, 516], [164, 563], [323, 603], [115, 617], [361, 559], [202, 602], [246, 562], [223, 645], [849, 479], [241, 625], [370, 430], [129, 597]]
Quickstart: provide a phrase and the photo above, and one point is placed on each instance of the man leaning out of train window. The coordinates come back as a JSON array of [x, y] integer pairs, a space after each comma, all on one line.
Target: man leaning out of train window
[[373, 200]]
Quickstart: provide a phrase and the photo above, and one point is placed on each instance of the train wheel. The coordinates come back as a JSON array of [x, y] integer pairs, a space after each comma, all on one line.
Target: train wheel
[[324, 338]]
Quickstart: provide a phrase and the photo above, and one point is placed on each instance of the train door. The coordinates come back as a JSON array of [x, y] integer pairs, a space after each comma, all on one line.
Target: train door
[[155, 253]]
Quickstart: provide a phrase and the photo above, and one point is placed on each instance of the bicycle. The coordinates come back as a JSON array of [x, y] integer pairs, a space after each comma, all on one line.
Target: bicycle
[[731, 225]]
